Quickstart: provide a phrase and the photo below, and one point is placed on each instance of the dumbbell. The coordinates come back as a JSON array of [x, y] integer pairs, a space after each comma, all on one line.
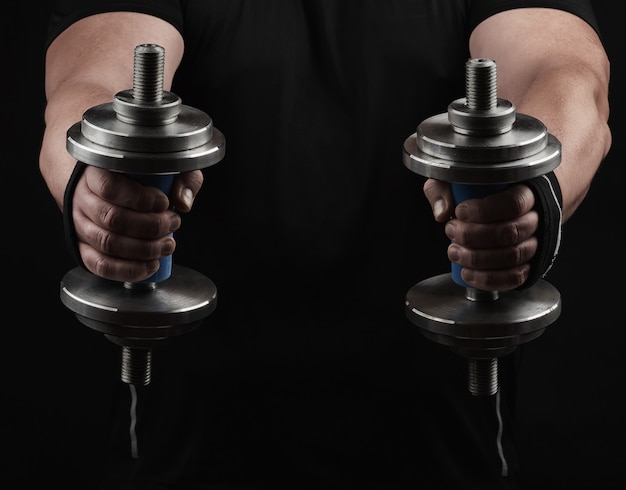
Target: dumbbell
[[481, 145], [149, 135]]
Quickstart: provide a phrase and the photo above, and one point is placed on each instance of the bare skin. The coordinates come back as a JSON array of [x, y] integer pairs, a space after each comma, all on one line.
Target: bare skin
[[559, 74], [121, 226]]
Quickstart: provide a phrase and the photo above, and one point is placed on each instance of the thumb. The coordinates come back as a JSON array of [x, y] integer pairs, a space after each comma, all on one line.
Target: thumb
[[186, 187], [439, 195]]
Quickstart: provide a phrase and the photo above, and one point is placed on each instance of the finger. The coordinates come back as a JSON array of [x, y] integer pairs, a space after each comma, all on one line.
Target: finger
[[496, 280], [116, 269], [119, 245], [185, 189], [492, 235], [500, 206], [493, 258], [117, 188], [119, 220], [439, 195]]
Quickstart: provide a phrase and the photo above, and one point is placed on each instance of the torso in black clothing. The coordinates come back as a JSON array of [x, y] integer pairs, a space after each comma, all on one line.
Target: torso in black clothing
[[313, 231]]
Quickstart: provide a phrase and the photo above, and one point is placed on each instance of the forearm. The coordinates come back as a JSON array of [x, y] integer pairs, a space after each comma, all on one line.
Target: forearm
[[64, 108], [560, 75], [87, 65], [573, 105]]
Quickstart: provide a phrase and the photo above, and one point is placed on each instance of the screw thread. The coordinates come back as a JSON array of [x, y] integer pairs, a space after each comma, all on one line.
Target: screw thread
[[481, 84], [136, 366], [148, 70], [483, 376]]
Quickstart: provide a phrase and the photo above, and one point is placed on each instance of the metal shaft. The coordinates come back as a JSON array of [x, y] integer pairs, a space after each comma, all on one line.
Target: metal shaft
[[481, 145], [149, 135], [148, 70]]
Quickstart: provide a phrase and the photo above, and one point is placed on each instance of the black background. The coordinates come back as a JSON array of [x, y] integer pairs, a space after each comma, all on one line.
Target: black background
[[56, 375]]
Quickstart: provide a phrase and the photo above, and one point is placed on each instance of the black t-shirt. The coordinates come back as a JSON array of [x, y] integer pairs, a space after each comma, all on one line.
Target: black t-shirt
[[308, 374]]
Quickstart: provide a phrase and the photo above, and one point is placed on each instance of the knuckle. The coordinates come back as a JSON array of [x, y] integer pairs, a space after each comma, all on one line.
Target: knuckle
[[195, 180], [159, 225], [523, 199], [461, 234], [101, 267], [469, 258], [103, 241], [510, 234], [110, 217], [105, 185]]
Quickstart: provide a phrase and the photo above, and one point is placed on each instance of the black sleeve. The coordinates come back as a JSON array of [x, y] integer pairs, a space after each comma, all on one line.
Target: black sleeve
[[481, 9], [66, 12]]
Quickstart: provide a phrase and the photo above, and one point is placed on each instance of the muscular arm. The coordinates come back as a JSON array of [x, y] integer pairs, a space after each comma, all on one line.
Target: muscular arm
[[122, 228], [87, 65], [552, 66]]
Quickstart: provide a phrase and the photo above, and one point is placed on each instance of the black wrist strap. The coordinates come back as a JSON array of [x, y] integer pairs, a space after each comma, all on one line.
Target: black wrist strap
[[71, 240], [549, 205]]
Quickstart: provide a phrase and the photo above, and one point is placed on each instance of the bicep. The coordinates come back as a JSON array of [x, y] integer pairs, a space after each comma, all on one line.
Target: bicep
[[552, 66], [98, 50], [526, 42]]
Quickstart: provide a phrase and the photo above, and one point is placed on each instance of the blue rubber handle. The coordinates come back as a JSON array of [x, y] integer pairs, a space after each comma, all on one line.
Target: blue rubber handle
[[463, 192], [164, 183]]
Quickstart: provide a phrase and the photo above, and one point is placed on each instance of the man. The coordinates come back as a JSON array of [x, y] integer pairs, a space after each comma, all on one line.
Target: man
[[308, 374]]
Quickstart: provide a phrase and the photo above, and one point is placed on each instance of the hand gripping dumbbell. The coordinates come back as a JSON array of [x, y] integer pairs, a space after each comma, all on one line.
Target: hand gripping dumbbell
[[148, 134], [481, 145]]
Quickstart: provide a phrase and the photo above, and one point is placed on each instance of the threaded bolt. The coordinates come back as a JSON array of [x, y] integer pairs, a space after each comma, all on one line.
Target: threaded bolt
[[146, 103], [481, 95], [136, 366], [148, 67], [481, 112], [483, 376], [480, 84]]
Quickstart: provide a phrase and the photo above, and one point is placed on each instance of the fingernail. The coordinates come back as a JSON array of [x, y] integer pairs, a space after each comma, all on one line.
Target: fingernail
[[168, 248], [439, 208], [449, 229], [174, 223], [468, 275], [453, 253], [153, 266], [461, 212], [187, 197]]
